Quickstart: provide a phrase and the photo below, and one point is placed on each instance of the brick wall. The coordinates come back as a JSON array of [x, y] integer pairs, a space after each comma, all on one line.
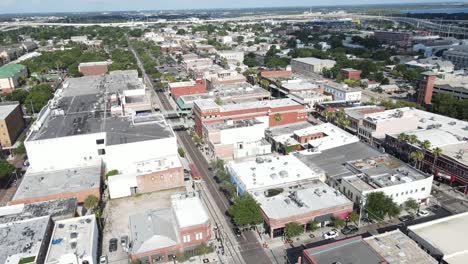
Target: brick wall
[[92, 70], [11, 127], [161, 180], [198, 88]]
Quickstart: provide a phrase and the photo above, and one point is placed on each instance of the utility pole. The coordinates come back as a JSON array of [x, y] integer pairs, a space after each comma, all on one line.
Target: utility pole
[[362, 203]]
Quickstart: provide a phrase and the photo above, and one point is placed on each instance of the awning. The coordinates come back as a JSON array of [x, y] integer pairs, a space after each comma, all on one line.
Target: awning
[[323, 218]]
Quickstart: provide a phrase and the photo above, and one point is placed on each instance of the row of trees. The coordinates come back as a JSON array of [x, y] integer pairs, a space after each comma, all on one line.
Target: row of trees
[[34, 99], [447, 105]]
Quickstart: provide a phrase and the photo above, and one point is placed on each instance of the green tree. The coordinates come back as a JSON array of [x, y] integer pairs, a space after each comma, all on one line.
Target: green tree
[[264, 83], [203, 249], [228, 188], [20, 150], [378, 206], [111, 173], [353, 217], [18, 95], [313, 225], [403, 136], [436, 152], [338, 222], [91, 202], [38, 98], [417, 157], [426, 144], [6, 169], [413, 139], [411, 204], [246, 211], [293, 229], [181, 152]]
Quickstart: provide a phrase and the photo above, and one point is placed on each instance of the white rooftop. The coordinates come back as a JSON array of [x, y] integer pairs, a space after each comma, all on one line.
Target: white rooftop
[[334, 136], [182, 84], [189, 210], [73, 238], [305, 199], [445, 234], [314, 61], [259, 104], [270, 171]]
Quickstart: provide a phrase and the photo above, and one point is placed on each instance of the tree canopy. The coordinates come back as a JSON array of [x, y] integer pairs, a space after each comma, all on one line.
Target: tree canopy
[[246, 211], [6, 169], [293, 229], [37, 98], [379, 206]]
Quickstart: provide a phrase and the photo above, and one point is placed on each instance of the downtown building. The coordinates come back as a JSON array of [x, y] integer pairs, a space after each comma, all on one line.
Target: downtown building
[[157, 236], [271, 112], [288, 191], [103, 122]]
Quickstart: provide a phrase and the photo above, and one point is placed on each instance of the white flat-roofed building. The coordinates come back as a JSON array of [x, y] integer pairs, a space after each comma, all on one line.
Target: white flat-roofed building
[[443, 238], [74, 241], [315, 139], [232, 56], [313, 201], [310, 98], [341, 92], [235, 139], [385, 174], [271, 172], [25, 240], [309, 66]]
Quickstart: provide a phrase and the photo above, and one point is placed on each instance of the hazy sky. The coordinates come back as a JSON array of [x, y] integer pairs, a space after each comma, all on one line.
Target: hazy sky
[[27, 6]]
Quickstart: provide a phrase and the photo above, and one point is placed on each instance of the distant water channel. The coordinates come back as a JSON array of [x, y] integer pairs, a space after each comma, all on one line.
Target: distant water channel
[[452, 10]]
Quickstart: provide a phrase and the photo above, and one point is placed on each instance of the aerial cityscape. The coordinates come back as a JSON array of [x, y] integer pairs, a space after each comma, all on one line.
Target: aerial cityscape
[[246, 132]]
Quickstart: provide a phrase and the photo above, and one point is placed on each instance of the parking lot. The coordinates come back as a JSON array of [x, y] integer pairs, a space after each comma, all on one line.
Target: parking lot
[[116, 216]]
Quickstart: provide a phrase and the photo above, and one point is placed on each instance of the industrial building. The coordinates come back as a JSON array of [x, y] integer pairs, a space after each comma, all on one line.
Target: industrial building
[[310, 66]]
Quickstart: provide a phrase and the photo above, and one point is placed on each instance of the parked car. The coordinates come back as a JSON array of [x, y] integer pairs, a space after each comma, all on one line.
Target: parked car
[[330, 234], [103, 260], [406, 218], [348, 230], [237, 231], [423, 213], [124, 242], [113, 244]]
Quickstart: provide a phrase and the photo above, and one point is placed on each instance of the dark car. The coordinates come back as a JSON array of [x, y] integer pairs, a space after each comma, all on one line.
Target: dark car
[[113, 244], [348, 230], [237, 231], [406, 218]]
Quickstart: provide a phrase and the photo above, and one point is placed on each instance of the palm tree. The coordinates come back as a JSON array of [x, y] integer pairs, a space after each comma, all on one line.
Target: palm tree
[[412, 139], [436, 152], [264, 83], [426, 144], [417, 157], [91, 202], [403, 137]]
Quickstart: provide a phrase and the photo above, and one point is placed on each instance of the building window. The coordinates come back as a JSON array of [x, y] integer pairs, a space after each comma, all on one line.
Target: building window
[[186, 238], [101, 152], [199, 236], [423, 189], [99, 141]]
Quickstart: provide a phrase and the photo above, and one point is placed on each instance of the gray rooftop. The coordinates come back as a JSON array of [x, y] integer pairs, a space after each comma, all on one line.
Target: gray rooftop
[[57, 209], [6, 108], [22, 239], [353, 250], [37, 184], [332, 161], [82, 106], [153, 229]]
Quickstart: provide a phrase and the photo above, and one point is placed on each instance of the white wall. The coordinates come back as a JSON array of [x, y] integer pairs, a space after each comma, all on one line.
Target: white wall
[[397, 192], [64, 152], [242, 134]]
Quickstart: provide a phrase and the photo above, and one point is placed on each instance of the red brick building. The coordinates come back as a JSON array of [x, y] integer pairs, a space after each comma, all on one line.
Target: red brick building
[[351, 74], [273, 74], [426, 88], [159, 235], [186, 88], [274, 112], [93, 68]]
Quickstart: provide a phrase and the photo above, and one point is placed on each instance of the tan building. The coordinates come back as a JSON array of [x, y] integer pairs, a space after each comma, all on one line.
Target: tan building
[[11, 123]]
